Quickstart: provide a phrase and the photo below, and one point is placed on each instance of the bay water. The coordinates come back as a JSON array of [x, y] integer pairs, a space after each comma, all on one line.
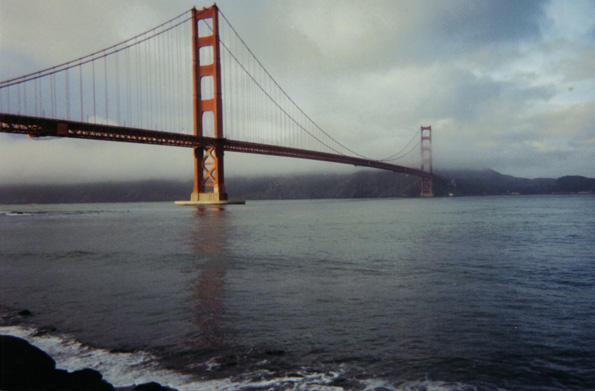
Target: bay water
[[470, 293]]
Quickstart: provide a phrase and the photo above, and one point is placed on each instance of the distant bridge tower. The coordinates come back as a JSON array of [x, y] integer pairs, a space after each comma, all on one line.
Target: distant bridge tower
[[206, 78], [426, 161]]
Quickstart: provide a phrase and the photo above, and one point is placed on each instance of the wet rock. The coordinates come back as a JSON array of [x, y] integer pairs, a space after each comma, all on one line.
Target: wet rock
[[25, 313], [59, 377], [228, 361], [86, 379], [22, 365], [44, 330], [152, 387], [274, 352], [26, 367], [348, 384]]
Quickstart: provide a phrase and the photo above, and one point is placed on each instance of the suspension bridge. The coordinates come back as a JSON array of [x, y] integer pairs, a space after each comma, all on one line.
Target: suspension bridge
[[182, 83]]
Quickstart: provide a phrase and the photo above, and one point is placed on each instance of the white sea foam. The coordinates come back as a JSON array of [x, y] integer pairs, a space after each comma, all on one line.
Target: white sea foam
[[125, 369], [120, 369]]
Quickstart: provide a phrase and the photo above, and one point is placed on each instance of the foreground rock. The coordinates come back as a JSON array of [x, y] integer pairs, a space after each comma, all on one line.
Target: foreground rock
[[26, 367]]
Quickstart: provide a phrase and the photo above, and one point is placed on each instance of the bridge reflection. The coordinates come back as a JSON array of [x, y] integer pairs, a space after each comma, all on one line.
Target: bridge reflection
[[208, 243]]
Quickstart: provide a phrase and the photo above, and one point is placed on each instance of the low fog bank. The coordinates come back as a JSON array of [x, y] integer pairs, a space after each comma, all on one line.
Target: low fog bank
[[362, 184]]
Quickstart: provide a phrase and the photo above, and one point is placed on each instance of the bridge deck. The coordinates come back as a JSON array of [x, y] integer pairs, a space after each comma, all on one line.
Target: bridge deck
[[44, 127]]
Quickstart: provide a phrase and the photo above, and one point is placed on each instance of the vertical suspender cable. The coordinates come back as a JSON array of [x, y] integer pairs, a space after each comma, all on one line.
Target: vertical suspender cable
[[162, 98], [153, 78], [67, 86], [36, 90], [19, 99], [156, 58], [141, 95], [170, 79], [128, 108], [118, 109], [162, 81], [155, 92], [136, 119], [148, 79], [105, 89], [139, 77], [176, 72], [94, 95], [161, 92], [25, 98], [81, 89], [53, 88]]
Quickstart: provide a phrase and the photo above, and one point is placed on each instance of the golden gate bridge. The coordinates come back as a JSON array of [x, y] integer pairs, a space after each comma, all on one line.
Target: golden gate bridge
[[143, 89]]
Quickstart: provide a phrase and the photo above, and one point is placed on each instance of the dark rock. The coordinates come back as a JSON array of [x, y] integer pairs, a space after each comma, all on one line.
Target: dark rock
[[152, 386], [86, 376], [25, 313], [88, 379], [349, 384], [60, 378], [275, 352], [22, 365], [82, 380], [44, 330], [228, 361], [26, 367]]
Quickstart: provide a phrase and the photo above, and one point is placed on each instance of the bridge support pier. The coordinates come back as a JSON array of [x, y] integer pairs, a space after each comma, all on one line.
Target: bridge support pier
[[208, 172]]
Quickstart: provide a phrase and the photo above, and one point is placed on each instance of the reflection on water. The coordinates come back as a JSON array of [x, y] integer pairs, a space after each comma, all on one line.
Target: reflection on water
[[208, 241]]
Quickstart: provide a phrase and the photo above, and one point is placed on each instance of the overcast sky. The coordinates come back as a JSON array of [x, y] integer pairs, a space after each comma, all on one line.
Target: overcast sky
[[507, 85]]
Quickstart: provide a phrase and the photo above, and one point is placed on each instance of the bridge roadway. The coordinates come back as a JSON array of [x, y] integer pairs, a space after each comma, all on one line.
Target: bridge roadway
[[45, 127]]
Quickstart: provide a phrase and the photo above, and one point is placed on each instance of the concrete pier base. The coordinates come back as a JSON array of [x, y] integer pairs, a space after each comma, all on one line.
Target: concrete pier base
[[207, 203], [208, 199]]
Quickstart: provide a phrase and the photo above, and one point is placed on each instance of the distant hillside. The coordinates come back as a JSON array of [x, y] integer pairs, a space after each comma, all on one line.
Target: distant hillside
[[142, 191], [363, 184], [490, 182]]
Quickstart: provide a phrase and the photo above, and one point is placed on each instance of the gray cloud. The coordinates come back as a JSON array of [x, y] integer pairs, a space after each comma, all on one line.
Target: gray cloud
[[484, 22]]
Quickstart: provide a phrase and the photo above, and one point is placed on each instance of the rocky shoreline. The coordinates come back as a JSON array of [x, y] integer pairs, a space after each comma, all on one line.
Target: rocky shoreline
[[24, 366]]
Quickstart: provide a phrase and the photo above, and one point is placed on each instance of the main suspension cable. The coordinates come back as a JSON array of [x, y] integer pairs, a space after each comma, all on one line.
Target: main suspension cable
[[93, 56], [287, 95]]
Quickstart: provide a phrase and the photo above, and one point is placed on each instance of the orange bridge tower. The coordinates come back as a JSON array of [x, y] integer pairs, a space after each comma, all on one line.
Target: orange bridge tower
[[209, 184]]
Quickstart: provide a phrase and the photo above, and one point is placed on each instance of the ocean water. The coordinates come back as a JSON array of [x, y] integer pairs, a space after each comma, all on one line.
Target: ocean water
[[474, 293]]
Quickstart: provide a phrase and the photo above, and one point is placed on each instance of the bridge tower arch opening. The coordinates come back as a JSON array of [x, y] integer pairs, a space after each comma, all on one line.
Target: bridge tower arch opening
[[426, 161]]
